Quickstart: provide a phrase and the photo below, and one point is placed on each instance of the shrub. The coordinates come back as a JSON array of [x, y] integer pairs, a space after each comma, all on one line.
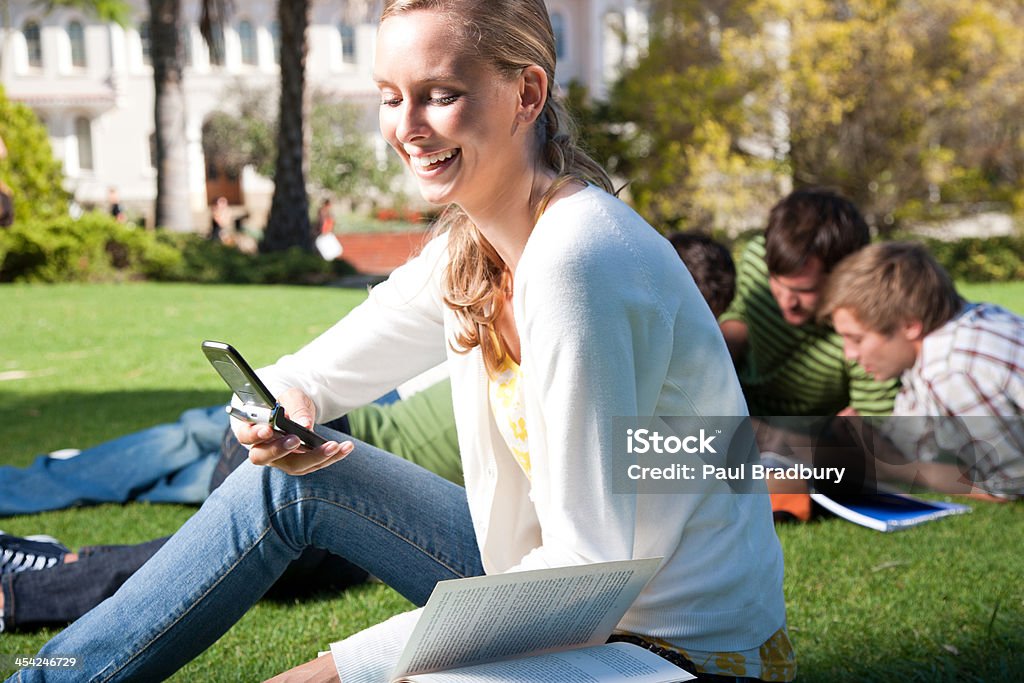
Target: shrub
[[98, 248], [206, 261], [30, 170], [981, 259], [93, 248]]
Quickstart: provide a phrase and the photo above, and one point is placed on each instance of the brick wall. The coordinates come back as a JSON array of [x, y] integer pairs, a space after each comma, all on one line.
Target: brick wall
[[380, 253]]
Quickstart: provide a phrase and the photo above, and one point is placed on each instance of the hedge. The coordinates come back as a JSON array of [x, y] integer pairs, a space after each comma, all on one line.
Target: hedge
[[97, 248]]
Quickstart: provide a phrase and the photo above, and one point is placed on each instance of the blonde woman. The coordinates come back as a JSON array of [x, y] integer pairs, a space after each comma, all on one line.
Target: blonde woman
[[558, 309]]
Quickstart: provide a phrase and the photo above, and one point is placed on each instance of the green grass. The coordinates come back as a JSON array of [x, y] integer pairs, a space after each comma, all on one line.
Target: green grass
[[81, 364]]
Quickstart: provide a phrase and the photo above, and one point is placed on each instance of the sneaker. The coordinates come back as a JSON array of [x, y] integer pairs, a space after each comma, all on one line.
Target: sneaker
[[30, 553]]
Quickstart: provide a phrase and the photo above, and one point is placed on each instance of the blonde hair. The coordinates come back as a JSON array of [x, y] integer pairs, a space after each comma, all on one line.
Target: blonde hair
[[887, 284], [510, 35]]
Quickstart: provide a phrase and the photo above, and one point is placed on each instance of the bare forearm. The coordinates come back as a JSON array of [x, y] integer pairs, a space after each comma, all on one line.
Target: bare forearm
[[320, 670]]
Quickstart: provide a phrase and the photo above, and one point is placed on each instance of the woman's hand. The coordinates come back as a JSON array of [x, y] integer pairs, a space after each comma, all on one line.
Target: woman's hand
[[320, 670], [285, 451]]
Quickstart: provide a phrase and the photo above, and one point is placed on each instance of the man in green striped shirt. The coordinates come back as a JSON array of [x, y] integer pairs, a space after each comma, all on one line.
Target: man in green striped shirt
[[788, 364]]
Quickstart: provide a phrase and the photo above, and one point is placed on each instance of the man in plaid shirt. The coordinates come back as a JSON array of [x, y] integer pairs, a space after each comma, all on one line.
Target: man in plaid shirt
[[961, 366]]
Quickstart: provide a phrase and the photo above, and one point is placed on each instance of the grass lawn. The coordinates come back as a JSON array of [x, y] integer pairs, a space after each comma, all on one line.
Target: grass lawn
[[83, 363]]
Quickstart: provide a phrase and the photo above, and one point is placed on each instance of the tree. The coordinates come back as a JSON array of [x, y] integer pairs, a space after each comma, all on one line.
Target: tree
[[342, 160], [905, 105], [29, 168], [289, 225], [696, 119], [171, 158]]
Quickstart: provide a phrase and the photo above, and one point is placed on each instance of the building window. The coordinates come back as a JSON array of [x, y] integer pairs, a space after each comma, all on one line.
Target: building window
[[76, 36], [275, 36], [247, 39], [217, 50], [348, 43], [34, 44], [558, 28], [186, 44], [83, 132], [146, 41]]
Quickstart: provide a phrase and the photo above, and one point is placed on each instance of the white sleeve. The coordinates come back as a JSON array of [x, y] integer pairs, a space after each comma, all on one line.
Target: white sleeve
[[397, 333]]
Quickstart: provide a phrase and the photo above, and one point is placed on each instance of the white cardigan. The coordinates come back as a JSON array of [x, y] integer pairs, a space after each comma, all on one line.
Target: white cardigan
[[611, 325]]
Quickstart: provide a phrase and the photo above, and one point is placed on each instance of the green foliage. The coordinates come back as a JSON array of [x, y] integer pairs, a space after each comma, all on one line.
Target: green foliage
[[974, 259], [98, 248], [901, 105], [904, 105], [29, 169], [245, 136], [93, 248], [342, 160], [107, 10], [691, 124], [213, 262]]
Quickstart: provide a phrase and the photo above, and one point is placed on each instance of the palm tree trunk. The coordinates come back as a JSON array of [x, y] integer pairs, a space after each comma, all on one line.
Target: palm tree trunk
[[289, 224], [172, 188]]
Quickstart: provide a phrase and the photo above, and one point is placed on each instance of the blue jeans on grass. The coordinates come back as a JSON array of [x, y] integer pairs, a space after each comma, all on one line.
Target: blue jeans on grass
[[169, 463], [401, 523]]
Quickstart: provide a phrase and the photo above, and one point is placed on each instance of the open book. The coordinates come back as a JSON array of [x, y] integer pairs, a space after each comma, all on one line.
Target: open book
[[886, 511], [524, 627]]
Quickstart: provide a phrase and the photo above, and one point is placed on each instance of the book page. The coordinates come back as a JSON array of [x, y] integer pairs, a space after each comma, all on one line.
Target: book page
[[596, 664], [489, 618], [369, 656]]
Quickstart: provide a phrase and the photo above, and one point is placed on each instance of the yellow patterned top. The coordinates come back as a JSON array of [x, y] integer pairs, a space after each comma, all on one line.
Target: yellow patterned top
[[775, 660], [509, 410]]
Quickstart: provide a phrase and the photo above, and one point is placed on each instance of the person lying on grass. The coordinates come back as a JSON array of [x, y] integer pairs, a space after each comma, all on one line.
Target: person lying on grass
[[958, 420]]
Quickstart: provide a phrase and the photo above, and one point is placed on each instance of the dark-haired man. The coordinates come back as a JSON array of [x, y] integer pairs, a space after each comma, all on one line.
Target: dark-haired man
[[711, 266], [788, 363]]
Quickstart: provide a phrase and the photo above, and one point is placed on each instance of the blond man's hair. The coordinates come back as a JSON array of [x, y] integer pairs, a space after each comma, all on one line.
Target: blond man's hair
[[510, 35], [891, 283]]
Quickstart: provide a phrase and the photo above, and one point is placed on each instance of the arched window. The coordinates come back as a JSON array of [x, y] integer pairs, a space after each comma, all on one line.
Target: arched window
[[558, 27], [146, 42], [275, 36], [83, 132], [34, 44], [247, 39], [348, 43], [76, 36]]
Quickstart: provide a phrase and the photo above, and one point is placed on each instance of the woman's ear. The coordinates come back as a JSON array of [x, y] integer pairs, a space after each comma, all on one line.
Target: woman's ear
[[533, 93]]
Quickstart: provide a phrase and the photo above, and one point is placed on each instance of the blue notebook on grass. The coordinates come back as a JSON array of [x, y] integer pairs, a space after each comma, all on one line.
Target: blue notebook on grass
[[887, 511]]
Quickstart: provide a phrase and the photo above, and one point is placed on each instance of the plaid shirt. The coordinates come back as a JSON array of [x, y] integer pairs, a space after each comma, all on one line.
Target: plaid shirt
[[967, 391]]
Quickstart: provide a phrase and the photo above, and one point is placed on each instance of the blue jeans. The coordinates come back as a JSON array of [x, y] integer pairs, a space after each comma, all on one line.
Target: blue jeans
[[403, 524], [169, 463]]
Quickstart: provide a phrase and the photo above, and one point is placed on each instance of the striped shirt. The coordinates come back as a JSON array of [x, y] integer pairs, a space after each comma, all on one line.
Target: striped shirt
[[972, 368], [795, 369]]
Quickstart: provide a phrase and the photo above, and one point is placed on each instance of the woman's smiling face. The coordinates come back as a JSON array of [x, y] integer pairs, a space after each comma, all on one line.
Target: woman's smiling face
[[450, 116]]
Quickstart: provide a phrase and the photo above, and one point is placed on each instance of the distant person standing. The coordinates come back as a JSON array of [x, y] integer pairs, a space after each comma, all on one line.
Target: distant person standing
[[114, 202], [327, 243], [220, 221], [325, 218]]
